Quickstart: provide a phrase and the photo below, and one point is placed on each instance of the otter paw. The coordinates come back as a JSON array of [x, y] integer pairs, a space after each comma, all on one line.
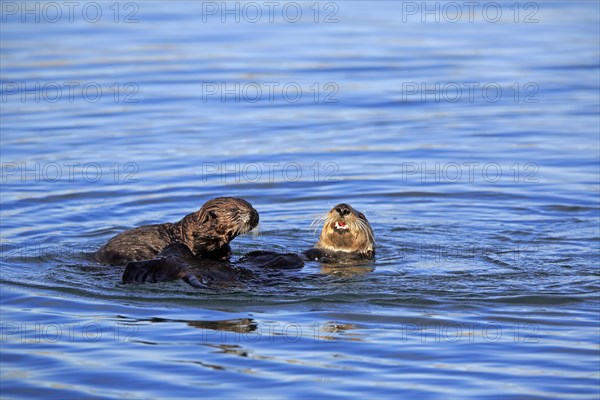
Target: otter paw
[[273, 260]]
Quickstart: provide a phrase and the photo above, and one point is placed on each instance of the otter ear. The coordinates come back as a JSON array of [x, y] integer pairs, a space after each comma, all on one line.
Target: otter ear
[[209, 216]]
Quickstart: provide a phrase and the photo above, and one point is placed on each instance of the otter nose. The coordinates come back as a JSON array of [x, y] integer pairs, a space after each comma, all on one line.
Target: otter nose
[[254, 218], [342, 209]]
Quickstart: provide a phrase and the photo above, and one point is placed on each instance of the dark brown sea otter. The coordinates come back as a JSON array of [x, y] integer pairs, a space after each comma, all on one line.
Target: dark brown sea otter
[[206, 233], [346, 237]]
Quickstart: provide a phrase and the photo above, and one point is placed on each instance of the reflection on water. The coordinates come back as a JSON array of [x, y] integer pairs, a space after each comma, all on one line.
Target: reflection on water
[[471, 147], [346, 270]]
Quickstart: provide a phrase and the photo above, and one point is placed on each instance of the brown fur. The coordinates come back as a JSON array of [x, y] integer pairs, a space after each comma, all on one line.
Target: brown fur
[[176, 261], [206, 232], [350, 241], [346, 234]]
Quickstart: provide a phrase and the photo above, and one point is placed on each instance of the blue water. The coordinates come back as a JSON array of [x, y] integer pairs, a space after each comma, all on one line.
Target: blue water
[[471, 146]]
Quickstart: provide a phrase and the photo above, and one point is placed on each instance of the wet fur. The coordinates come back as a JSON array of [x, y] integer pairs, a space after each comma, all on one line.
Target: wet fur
[[357, 242], [177, 261], [206, 233]]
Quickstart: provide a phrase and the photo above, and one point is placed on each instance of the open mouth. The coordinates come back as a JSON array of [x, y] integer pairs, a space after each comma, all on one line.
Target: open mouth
[[341, 225]]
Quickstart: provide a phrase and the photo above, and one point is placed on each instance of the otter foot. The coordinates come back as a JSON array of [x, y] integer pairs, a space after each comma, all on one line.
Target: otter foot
[[273, 260], [158, 270]]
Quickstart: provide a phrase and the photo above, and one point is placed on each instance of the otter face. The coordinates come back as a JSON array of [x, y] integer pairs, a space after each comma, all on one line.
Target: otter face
[[220, 220], [347, 230]]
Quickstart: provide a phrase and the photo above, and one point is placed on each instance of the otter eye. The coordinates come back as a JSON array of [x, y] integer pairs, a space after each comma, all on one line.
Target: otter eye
[[362, 216]]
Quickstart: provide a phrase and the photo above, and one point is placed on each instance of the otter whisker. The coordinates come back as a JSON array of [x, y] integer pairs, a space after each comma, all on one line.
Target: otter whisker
[[328, 220], [205, 231], [346, 234], [318, 219], [256, 232], [317, 222], [367, 229]]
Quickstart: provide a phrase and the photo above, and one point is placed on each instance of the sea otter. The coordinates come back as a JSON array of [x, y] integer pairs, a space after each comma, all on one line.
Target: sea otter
[[206, 233], [346, 237]]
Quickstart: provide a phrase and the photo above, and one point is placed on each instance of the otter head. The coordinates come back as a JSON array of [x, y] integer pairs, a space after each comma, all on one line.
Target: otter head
[[347, 230], [217, 223]]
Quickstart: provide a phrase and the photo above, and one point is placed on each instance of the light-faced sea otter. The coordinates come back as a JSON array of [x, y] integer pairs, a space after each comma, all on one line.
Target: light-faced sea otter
[[346, 237], [206, 233]]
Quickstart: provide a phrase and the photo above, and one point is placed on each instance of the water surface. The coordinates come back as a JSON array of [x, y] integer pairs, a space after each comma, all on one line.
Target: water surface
[[484, 203]]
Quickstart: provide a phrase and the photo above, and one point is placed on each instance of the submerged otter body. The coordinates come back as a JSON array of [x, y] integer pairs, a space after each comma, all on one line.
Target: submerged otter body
[[176, 261], [346, 237], [206, 233]]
